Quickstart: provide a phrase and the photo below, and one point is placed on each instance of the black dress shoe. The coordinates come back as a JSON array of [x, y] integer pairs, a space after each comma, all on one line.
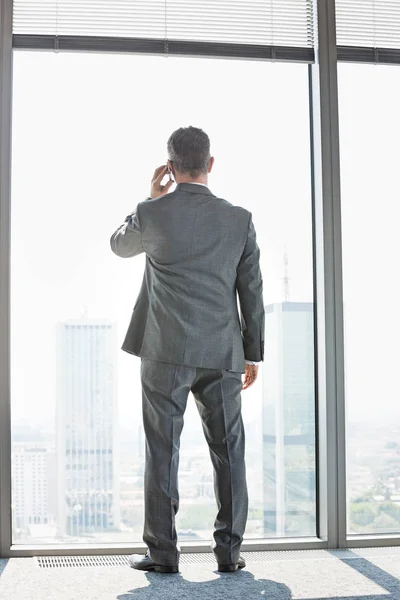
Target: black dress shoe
[[241, 563], [146, 563]]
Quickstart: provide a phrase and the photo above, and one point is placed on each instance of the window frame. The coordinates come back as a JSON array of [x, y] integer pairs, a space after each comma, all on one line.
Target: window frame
[[5, 196], [328, 294]]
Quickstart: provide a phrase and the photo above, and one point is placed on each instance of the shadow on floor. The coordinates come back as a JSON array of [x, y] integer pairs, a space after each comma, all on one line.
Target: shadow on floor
[[377, 575], [373, 572], [3, 564], [236, 586], [243, 586]]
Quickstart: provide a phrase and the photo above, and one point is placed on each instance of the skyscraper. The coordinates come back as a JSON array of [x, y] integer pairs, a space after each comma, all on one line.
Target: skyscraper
[[32, 486], [87, 462], [289, 420]]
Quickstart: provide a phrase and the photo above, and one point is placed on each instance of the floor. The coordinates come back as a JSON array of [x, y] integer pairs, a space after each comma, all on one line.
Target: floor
[[369, 574]]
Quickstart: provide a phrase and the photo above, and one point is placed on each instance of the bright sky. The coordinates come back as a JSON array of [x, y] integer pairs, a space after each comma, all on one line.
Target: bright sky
[[370, 132], [89, 131]]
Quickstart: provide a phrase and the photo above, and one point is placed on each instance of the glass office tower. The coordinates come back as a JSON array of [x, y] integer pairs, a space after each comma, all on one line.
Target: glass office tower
[[87, 469], [289, 420]]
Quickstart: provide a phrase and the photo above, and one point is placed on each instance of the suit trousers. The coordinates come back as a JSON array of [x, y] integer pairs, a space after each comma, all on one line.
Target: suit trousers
[[165, 390]]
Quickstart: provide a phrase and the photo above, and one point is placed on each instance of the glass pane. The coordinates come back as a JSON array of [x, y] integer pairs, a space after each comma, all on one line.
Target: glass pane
[[370, 129], [88, 132]]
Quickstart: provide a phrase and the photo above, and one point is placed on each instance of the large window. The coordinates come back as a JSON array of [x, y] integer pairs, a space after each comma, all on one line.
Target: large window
[[370, 129], [88, 132]]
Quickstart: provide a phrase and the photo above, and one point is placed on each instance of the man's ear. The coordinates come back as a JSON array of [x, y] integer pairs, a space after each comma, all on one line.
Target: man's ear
[[211, 164]]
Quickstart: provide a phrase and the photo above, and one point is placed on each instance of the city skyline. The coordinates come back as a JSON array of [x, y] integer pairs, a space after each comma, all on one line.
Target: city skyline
[[288, 502]]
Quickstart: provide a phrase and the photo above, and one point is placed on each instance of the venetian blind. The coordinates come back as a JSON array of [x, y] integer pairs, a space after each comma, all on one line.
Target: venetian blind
[[273, 23], [368, 25]]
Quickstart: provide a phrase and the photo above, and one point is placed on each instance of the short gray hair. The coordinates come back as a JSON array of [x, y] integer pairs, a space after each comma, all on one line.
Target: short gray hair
[[189, 150]]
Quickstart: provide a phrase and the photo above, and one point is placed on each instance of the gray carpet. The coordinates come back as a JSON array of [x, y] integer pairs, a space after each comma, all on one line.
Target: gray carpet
[[344, 575]]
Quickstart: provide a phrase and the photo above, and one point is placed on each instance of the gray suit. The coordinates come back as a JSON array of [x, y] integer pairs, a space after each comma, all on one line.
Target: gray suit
[[201, 256]]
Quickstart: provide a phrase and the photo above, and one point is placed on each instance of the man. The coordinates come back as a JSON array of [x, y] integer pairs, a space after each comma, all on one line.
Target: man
[[201, 254]]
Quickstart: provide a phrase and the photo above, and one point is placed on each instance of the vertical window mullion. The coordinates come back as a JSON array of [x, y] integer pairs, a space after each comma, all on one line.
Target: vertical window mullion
[[5, 189], [328, 269]]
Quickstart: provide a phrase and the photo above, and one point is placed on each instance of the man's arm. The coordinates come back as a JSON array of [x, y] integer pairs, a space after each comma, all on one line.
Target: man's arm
[[127, 240], [249, 285]]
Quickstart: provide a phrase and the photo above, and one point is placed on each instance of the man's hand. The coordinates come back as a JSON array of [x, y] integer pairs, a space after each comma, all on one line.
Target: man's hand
[[250, 376], [156, 188]]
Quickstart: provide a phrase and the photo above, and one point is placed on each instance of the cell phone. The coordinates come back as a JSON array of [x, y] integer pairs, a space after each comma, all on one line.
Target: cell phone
[[169, 173]]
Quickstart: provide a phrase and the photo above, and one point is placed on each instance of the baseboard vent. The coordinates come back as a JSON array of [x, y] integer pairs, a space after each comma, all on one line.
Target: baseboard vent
[[116, 560], [62, 562]]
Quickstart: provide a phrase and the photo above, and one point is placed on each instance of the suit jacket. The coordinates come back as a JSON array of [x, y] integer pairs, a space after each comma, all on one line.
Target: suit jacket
[[201, 258]]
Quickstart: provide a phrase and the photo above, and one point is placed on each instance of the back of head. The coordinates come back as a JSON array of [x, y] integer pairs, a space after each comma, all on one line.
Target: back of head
[[189, 151]]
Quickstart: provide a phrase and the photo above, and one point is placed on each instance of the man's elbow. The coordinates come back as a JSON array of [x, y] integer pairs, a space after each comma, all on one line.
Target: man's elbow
[[119, 249]]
